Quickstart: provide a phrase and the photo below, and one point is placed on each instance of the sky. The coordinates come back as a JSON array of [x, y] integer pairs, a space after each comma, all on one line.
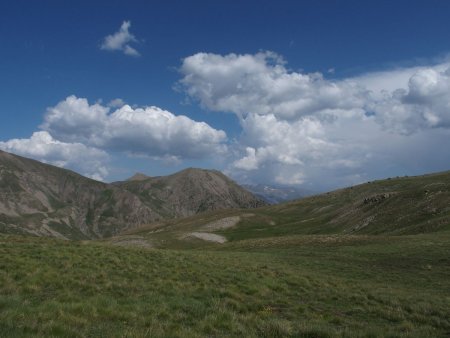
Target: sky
[[312, 94]]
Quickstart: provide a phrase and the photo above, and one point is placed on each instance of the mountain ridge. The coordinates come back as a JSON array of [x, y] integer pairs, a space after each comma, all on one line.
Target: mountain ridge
[[41, 199]]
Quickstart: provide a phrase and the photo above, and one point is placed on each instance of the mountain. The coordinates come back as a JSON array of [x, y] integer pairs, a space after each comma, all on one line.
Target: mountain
[[44, 200], [191, 191], [138, 177], [275, 195]]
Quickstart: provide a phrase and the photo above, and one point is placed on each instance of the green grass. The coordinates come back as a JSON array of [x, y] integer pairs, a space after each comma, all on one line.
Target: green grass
[[299, 286], [397, 206]]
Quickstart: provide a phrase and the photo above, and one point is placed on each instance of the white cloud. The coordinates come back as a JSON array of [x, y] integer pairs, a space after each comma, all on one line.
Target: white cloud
[[75, 120], [274, 140], [261, 84], [300, 128], [128, 50], [157, 132], [393, 79], [289, 152], [149, 131], [294, 179], [424, 104], [249, 162], [121, 40], [43, 147]]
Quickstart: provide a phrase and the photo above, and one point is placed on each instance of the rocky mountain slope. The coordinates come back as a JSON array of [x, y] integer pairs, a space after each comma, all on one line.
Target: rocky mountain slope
[[189, 192], [40, 199]]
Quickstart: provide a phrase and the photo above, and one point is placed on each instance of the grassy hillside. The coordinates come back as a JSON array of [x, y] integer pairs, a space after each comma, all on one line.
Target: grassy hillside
[[397, 206], [310, 286]]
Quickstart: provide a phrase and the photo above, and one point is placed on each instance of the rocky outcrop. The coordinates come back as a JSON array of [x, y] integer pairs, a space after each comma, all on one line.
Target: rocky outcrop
[[377, 198]]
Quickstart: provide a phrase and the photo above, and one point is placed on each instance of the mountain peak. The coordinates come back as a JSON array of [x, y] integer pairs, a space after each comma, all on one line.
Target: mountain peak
[[138, 177]]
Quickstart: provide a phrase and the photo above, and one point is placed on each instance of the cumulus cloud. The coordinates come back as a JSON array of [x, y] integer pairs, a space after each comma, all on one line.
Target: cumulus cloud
[[299, 128], [290, 152], [121, 40], [393, 79], [75, 120], [80, 136], [424, 104], [149, 131], [273, 140], [262, 84], [43, 147]]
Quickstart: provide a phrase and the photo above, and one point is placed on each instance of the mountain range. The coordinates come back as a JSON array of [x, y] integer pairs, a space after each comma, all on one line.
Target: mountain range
[[44, 200]]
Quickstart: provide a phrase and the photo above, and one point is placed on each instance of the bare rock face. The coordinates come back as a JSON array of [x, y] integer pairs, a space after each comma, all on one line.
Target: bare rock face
[[40, 199]]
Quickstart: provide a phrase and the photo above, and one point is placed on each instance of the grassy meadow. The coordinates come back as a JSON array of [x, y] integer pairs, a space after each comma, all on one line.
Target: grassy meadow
[[295, 286]]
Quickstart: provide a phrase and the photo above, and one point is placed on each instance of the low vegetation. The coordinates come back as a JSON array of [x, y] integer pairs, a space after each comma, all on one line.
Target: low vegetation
[[310, 286]]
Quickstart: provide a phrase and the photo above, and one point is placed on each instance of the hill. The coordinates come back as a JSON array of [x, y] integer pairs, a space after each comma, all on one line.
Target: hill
[[44, 200], [395, 206]]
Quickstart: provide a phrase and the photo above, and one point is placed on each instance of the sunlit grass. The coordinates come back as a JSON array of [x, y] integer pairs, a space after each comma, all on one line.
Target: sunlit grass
[[300, 287]]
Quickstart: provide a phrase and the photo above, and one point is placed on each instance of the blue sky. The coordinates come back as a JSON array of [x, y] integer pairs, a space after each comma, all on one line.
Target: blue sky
[[315, 93]]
